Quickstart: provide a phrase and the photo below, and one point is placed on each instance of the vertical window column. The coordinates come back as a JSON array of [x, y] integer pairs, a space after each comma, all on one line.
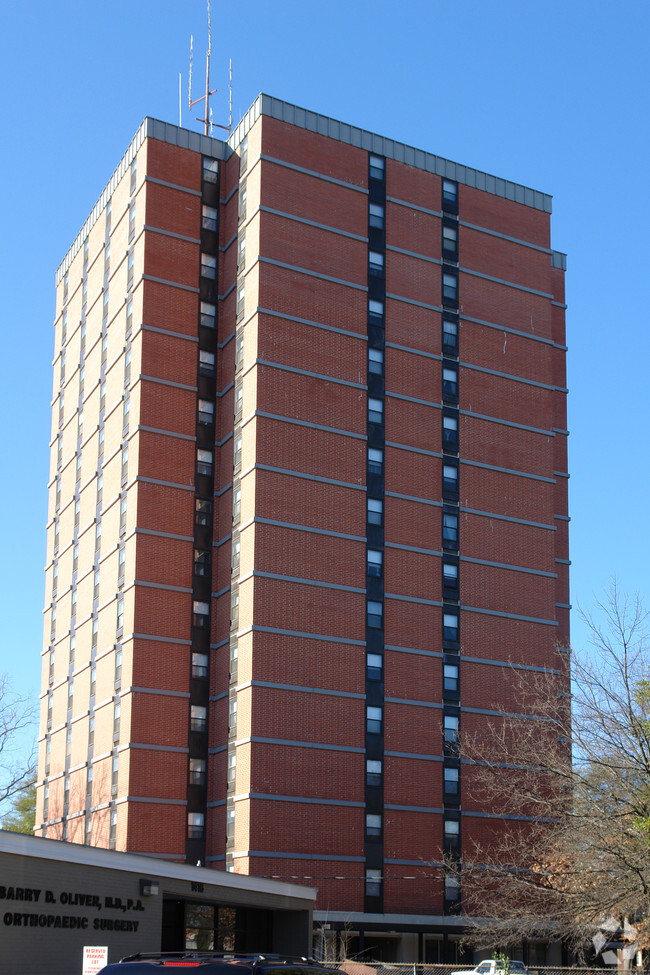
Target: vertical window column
[[450, 541], [203, 515], [374, 736]]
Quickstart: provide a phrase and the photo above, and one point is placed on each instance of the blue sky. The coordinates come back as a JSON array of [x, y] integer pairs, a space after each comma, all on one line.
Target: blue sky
[[550, 94]]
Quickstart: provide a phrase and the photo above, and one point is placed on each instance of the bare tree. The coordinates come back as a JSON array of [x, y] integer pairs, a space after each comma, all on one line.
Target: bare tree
[[17, 717], [576, 774]]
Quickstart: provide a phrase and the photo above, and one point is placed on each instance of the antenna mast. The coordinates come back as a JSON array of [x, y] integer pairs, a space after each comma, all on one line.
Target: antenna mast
[[207, 120]]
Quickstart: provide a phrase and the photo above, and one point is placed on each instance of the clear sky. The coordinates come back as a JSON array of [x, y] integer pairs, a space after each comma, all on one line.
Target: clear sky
[[551, 94]]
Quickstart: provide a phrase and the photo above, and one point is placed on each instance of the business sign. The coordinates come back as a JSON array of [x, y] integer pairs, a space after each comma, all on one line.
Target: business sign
[[95, 958]]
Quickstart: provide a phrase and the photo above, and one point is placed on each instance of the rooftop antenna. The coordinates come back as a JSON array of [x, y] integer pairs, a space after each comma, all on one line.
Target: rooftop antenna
[[207, 120], [206, 97]]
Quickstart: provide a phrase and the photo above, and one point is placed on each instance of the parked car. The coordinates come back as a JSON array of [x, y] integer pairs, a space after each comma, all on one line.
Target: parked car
[[216, 963], [493, 967]]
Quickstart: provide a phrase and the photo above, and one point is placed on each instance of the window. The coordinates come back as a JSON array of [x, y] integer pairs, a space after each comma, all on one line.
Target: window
[[450, 531], [449, 432], [129, 270], [204, 461], [373, 883], [450, 287], [112, 830], [208, 314], [96, 584], [199, 665], [450, 678], [210, 170], [120, 613], [451, 781], [236, 551], [202, 512], [232, 714], [121, 565], [450, 242], [241, 210], [198, 717], [450, 627], [373, 771], [239, 400], [376, 166], [374, 562], [375, 613], [376, 216], [375, 511], [376, 362], [125, 463], [452, 887], [116, 718], [375, 663], [449, 192], [197, 771], [376, 263], [373, 720], [129, 317], [375, 312], [234, 607], [450, 480], [243, 155], [132, 221], [127, 367], [195, 825], [230, 822], [450, 382], [122, 516], [236, 504], [201, 562], [375, 460], [449, 336], [450, 729], [206, 363], [209, 218], [200, 614], [239, 351], [236, 453], [373, 824], [241, 300], [449, 575], [133, 177], [241, 252], [375, 409], [98, 537], [206, 413], [208, 266]]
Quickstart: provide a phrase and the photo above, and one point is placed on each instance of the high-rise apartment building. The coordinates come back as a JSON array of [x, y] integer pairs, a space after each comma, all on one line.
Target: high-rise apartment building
[[308, 508]]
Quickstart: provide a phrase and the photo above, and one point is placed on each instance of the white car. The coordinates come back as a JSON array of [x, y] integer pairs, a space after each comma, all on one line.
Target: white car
[[492, 967]]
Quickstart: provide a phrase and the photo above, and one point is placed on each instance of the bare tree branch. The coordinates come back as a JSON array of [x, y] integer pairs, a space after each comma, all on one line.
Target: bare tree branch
[[577, 774], [17, 716]]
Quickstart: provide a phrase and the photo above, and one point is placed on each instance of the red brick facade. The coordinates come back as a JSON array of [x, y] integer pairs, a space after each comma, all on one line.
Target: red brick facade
[[285, 788]]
